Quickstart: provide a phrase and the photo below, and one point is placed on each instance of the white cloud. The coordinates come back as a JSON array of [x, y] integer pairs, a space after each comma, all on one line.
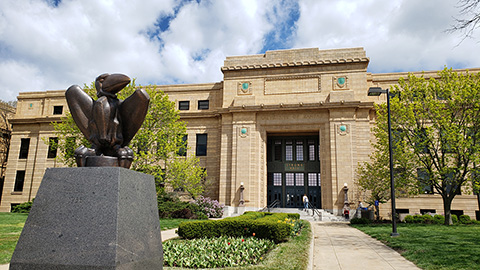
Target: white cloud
[[48, 48]]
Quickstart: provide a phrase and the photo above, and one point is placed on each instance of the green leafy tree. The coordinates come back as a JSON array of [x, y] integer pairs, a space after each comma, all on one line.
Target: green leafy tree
[[155, 145], [438, 131], [373, 176], [186, 175]]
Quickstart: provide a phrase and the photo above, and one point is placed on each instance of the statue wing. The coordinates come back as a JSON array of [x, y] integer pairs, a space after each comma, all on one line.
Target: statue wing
[[80, 105], [132, 113]]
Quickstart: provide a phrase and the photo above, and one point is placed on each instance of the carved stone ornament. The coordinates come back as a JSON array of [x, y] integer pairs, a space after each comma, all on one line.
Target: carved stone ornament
[[343, 129], [244, 88], [108, 123], [340, 83]]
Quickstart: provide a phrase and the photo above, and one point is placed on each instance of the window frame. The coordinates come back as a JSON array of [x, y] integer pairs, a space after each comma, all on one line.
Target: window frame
[[18, 180], [184, 105], [24, 148], [203, 104], [201, 148]]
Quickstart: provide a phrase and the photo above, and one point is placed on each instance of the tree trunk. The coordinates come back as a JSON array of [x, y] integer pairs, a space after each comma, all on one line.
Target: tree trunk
[[377, 212], [447, 206]]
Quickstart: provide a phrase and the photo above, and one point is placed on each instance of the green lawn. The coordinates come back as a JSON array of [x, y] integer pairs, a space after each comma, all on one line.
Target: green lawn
[[432, 246], [11, 226]]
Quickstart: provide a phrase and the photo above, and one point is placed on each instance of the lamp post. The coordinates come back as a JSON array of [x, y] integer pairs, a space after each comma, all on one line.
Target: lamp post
[[377, 91]]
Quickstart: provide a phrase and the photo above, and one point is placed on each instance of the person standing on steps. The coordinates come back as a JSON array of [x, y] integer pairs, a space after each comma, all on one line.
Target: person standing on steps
[[305, 202]]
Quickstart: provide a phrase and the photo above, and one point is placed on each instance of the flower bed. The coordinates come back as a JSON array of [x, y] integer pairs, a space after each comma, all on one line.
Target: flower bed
[[215, 252]]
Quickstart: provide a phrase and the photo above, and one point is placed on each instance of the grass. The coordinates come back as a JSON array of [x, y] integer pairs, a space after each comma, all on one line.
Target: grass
[[290, 255], [171, 223], [432, 246], [11, 225]]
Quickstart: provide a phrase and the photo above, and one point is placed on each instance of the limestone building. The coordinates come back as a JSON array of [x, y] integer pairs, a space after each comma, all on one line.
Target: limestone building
[[279, 125]]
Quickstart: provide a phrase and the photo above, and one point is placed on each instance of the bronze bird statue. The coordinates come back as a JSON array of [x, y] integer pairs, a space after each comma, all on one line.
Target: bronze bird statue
[[108, 123]]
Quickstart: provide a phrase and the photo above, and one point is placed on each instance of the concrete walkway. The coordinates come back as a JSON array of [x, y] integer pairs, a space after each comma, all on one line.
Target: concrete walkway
[[335, 245], [339, 246]]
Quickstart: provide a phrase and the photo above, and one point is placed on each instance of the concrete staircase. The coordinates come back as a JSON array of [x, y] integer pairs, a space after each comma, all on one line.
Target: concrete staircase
[[307, 215]]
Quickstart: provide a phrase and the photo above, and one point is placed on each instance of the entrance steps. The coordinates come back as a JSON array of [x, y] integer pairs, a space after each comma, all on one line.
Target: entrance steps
[[310, 215]]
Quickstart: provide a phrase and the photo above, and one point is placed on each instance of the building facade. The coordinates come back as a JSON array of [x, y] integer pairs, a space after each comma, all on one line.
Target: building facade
[[280, 125]]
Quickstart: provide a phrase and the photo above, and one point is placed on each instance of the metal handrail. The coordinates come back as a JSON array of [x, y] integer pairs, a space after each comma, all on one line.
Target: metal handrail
[[272, 205], [314, 210]]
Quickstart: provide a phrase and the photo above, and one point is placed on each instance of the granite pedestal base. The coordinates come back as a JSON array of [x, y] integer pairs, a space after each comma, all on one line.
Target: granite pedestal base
[[92, 218]]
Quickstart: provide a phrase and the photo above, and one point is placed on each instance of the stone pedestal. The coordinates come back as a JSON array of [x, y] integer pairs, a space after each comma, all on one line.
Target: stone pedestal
[[92, 218]]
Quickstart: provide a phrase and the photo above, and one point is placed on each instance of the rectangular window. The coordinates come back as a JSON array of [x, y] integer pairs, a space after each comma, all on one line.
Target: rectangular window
[[278, 150], [19, 180], [52, 147], [24, 145], [423, 179], [277, 179], [289, 150], [299, 150], [182, 151], [201, 149], [289, 179], [312, 179], [184, 105], [57, 109], [299, 179], [426, 211], [203, 104], [311, 150]]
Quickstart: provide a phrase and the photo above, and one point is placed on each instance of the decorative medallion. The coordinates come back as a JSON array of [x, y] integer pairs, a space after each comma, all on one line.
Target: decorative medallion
[[343, 129], [244, 88], [340, 83], [243, 132]]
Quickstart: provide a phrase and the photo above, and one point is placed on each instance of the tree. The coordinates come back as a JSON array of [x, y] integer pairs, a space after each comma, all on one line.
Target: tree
[[186, 175], [6, 110], [470, 10], [439, 122], [156, 145], [373, 177]]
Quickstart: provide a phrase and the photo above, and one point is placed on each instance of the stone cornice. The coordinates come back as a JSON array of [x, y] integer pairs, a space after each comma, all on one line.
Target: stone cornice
[[297, 64], [36, 120], [299, 106]]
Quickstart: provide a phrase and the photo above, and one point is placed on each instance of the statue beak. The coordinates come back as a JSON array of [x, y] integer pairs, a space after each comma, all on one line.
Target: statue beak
[[114, 83]]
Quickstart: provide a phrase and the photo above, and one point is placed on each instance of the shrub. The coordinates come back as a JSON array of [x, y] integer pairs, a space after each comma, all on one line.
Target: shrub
[[23, 207], [427, 219], [408, 219], [465, 219], [209, 207], [276, 227], [418, 219], [438, 219], [360, 221], [454, 219], [166, 208]]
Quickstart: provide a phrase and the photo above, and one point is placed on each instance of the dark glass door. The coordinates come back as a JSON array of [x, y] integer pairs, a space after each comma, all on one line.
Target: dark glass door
[[293, 166]]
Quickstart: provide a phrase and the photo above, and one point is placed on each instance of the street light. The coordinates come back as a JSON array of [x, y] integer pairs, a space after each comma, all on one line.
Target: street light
[[377, 91]]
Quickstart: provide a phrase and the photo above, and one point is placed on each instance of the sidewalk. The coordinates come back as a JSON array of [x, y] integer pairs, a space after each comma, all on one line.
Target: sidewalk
[[339, 246]]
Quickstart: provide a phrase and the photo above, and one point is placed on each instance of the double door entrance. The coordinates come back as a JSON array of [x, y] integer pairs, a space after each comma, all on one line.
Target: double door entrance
[[293, 169]]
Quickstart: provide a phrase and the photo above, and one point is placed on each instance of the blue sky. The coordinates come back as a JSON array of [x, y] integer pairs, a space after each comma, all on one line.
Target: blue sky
[[52, 44]]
